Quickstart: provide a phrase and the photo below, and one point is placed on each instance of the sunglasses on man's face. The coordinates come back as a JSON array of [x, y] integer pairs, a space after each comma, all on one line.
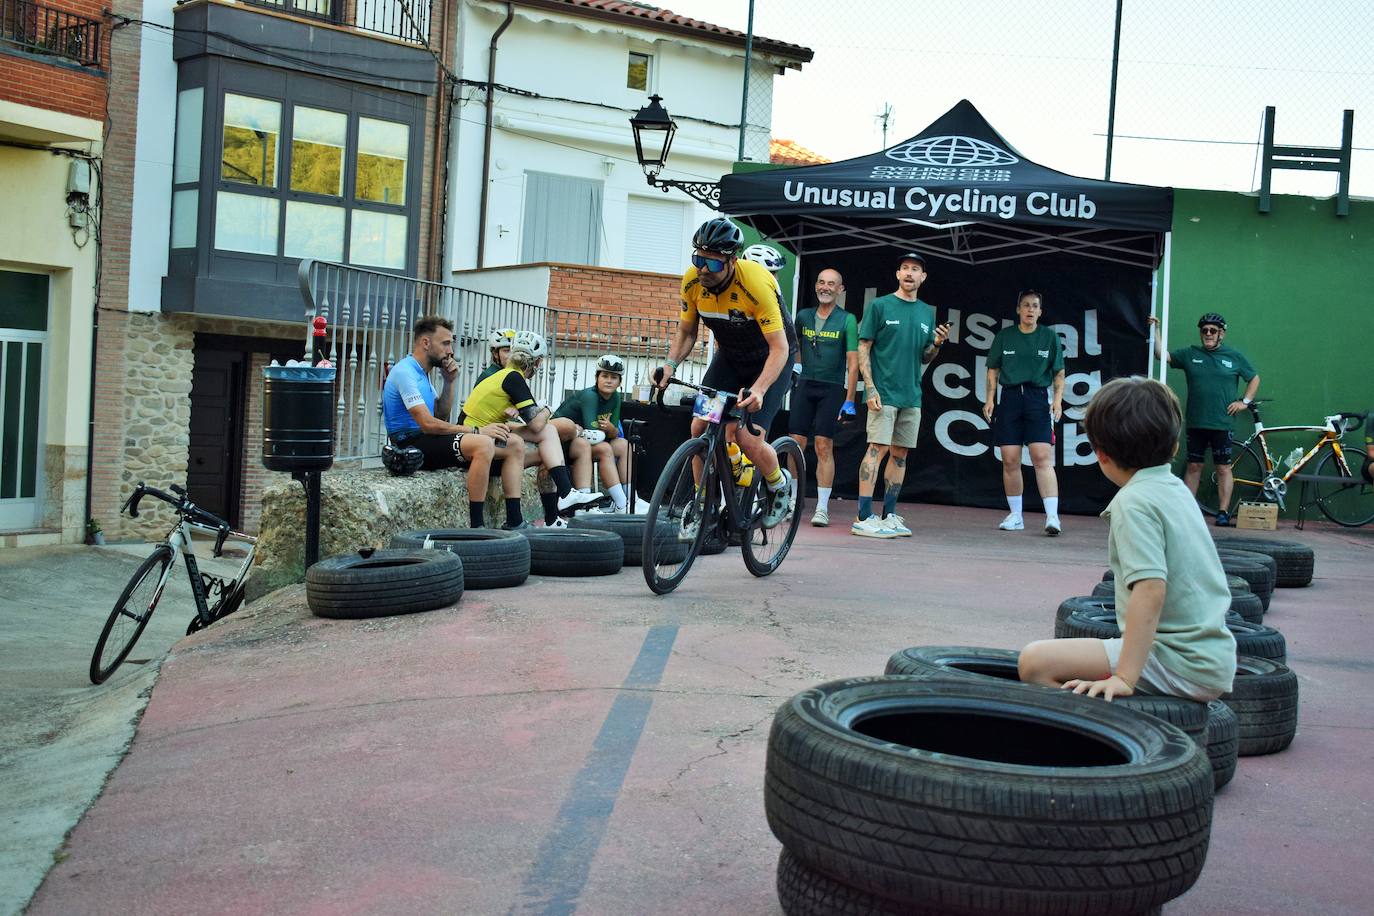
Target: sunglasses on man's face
[[1211, 330], [710, 265]]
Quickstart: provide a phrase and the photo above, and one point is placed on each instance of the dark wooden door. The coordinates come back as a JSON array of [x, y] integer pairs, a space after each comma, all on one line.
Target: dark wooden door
[[214, 475]]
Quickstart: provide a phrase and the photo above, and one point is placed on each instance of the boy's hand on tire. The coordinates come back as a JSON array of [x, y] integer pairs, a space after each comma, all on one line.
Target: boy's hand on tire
[[1113, 686]]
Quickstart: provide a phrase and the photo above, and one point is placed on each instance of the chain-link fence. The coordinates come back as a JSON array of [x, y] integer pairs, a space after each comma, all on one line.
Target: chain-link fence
[[1193, 81]]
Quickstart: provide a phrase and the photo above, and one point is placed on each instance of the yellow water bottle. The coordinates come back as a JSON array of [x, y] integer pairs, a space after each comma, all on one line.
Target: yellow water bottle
[[741, 468]]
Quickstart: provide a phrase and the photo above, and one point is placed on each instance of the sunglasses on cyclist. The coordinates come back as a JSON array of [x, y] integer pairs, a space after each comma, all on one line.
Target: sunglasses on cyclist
[[1211, 329], [710, 265]]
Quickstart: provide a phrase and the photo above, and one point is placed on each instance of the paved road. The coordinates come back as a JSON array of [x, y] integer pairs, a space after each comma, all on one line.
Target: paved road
[[580, 745]]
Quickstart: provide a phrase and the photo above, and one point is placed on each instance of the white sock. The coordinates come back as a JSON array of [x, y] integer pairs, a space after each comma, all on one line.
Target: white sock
[[823, 498], [1014, 503], [617, 493], [1052, 505]]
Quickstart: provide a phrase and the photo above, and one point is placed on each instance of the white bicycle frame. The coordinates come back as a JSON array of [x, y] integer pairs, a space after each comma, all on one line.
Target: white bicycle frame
[[182, 545]]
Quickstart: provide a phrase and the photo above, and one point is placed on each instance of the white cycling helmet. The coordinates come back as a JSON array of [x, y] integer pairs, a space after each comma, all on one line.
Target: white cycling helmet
[[766, 255], [501, 337], [531, 343], [611, 363]]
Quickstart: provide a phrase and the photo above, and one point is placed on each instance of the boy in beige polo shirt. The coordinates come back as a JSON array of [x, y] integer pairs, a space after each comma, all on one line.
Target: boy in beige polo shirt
[[1171, 594]]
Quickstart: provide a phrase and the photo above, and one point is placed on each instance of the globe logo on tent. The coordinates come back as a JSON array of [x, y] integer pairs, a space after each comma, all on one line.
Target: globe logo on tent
[[951, 151]]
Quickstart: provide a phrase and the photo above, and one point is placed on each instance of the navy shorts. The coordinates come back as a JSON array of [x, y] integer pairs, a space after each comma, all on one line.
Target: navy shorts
[[724, 376], [816, 409], [1218, 440], [1023, 416]]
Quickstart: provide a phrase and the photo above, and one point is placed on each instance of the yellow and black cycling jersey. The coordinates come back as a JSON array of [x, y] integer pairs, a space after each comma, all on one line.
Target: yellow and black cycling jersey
[[488, 402], [749, 307]]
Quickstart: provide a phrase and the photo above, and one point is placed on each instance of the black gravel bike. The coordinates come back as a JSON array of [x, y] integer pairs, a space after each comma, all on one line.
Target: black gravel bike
[[215, 597], [697, 497]]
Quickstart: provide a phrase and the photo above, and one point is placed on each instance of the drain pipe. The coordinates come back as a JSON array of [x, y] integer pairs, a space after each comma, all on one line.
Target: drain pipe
[[486, 140]]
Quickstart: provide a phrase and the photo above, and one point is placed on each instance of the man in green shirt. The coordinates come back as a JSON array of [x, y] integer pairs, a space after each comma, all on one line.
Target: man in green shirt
[[829, 338], [897, 335], [1025, 360], [1212, 370]]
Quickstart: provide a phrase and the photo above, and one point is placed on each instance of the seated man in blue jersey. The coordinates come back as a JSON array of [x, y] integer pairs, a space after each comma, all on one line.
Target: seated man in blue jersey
[[412, 415]]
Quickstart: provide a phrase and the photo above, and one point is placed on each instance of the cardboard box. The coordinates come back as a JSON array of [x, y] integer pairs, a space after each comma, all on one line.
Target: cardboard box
[[1258, 516]]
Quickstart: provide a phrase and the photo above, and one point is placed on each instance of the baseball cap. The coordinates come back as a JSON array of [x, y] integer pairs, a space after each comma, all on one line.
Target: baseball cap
[[911, 256]]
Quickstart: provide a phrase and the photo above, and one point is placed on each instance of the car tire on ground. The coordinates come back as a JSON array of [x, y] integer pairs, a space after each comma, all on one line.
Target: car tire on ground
[[382, 584], [492, 558], [987, 797], [1264, 697], [1294, 561], [631, 531], [1243, 601], [1223, 742], [1254, 568], [1257, 640], [574, 552], [1084, 603]]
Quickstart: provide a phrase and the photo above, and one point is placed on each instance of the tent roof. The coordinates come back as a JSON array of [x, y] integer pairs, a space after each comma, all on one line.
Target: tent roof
[[956, 190]]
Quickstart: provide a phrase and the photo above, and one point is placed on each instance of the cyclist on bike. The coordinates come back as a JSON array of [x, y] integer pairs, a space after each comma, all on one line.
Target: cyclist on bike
[[741, 303], [1212, 371]]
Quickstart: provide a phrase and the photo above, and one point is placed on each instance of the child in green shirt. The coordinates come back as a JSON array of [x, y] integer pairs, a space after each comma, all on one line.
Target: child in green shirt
[[1171, 593], [594, 414]]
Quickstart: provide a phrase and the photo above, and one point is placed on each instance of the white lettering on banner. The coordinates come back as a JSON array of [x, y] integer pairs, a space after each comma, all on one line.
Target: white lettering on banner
[[1068, 336], [917, 199], [1041, 203], [981, 330], [942, 432], [942, 379], [1077, 451], [1076, 400]]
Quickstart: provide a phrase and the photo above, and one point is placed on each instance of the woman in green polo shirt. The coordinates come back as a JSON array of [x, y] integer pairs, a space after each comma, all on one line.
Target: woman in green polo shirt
[[1026, 360]]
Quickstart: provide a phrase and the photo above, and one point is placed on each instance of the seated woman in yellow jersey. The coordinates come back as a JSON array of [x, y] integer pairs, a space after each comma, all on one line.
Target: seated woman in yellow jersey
[[592, 416], [507, 390]]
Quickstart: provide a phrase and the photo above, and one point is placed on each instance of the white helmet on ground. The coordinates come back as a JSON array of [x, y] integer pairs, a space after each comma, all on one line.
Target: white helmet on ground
[[501, 337], [531, 343], [766, 255]]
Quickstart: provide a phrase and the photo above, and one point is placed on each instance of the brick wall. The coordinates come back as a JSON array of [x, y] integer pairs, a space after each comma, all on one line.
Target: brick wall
[[62, 85], [614, 292]]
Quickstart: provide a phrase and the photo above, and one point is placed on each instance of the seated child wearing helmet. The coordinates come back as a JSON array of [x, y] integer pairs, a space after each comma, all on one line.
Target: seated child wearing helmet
[[593, 414], [499, 341], [505, 395]]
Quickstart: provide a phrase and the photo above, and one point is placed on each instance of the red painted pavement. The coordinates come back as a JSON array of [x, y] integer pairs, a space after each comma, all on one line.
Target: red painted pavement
[[288, 764]]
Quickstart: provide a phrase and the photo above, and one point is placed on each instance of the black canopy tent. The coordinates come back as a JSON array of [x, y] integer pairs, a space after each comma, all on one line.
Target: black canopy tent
[[989, 222]]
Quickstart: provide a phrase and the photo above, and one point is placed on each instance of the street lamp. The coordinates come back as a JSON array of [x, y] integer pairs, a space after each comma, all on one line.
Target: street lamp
[[654, 129]]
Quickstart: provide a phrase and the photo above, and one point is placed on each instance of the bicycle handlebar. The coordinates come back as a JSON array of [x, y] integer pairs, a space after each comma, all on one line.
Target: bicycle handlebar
[[730, 400], [184, 507]]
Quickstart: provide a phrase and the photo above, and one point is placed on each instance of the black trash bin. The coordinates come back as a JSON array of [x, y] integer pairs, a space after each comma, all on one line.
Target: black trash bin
[[297, 418]]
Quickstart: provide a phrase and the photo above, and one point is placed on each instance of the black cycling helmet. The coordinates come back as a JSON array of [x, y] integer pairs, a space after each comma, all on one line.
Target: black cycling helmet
[[718, 234], [1212, 318], [402, 462]]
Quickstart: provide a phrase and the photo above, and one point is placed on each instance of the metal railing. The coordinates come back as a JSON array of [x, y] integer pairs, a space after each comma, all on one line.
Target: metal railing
[[369, 316], [407, 20], [47, 30]]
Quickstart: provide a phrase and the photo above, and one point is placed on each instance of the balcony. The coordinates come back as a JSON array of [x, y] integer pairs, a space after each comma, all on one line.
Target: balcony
[[404, 20], [42, 29]]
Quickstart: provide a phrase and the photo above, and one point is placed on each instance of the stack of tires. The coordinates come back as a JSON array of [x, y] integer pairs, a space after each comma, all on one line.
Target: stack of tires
[[953, 789]]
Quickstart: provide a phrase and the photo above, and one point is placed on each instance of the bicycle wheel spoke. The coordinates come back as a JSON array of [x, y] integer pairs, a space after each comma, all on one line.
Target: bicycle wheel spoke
[[765, 548]]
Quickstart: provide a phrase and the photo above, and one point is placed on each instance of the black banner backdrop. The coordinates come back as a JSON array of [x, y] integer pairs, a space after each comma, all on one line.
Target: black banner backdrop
[[1098, 309]]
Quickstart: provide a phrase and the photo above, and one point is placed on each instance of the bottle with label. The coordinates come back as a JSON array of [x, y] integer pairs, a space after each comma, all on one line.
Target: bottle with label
[[1295, 456]]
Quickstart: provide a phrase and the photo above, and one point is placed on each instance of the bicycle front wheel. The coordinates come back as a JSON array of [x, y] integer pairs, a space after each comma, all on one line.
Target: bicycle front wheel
[[130, 615], [1247, 481], [677, 520], [1349, 504], [764, 549]]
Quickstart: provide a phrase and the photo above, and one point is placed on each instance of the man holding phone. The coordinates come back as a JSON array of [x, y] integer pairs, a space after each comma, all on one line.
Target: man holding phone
[[897, 336], [411, 412]]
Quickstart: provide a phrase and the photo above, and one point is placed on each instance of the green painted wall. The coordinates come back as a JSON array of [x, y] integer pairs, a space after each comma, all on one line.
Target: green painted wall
[[1297, 288]]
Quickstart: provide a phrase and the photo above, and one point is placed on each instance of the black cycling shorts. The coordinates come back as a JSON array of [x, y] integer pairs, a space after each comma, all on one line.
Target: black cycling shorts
[[723, 376], [816, 409], [1023, 416], [440, 451], [1218, 440]]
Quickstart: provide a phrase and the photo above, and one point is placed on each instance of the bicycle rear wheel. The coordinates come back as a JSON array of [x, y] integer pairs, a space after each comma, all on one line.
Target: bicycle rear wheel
[[1247, 478], [130, 615], [764, 549], [674, 527], [1352, 504]]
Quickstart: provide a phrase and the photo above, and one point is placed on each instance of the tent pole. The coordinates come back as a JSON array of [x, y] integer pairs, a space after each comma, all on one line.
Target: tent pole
[[744, 95], [1111, 105], [1164, 317]]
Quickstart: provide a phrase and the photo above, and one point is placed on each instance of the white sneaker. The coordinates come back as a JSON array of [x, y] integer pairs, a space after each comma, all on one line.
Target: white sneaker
[[559, 522], [1013, 522], [1052, 527], [577, 499], [593, 436], [871, 527], [894, 524], [820, 519]]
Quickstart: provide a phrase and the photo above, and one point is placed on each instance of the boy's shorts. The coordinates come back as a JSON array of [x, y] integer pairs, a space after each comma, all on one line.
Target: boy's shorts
[[894, 426], [1158, 679]]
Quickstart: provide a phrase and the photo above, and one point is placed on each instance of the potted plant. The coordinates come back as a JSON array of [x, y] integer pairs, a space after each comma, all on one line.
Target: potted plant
[[94, 533]]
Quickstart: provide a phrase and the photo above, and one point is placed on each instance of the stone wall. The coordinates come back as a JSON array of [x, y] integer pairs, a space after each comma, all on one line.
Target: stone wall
[[365, 508]]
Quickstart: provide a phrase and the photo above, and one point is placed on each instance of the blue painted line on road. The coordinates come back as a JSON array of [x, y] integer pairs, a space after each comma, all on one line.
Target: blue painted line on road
[[565, 857]]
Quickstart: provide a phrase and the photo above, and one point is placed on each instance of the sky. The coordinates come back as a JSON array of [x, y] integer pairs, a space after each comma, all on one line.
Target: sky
[[1193, 81]]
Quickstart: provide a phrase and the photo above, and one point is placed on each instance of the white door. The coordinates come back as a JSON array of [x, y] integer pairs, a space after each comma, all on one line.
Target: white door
[[23, 352]]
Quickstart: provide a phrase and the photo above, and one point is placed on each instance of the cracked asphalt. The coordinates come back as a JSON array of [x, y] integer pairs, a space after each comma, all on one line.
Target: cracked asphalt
[[580, 745]]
